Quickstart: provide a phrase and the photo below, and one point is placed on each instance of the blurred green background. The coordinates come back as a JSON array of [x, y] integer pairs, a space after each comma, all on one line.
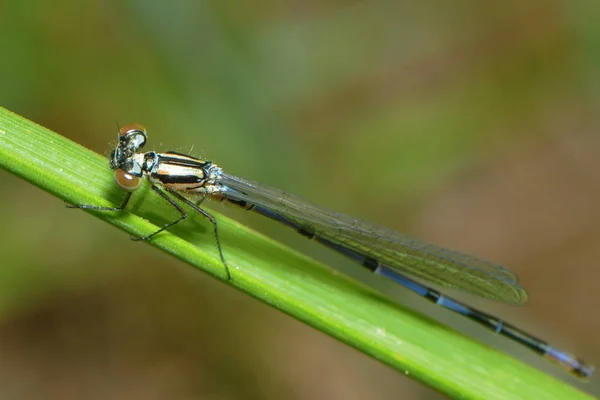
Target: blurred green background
[[472, 125]]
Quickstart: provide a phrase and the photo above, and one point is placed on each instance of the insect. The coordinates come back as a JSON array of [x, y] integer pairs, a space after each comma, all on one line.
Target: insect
[[385, 252]]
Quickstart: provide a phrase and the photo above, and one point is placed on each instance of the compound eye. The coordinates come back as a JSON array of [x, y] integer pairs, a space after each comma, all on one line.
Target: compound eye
[[126, 181], [124, 130], [133, 136]]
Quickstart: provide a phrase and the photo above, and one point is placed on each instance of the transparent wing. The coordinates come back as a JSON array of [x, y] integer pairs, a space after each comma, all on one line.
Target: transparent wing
[[400, 252]]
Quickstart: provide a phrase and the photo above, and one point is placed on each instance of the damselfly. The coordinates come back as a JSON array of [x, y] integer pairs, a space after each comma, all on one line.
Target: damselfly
[[382, 251]]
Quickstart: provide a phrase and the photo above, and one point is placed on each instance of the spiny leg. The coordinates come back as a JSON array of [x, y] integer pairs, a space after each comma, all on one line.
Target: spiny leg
[[161, 193], [213, 221], [92, 207]]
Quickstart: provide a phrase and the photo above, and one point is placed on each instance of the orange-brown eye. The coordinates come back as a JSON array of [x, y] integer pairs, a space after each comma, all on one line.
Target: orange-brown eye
[[131, 127], [126, 181]]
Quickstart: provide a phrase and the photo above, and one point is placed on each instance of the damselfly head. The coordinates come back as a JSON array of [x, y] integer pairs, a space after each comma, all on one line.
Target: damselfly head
[[132, 137], [128, 171]]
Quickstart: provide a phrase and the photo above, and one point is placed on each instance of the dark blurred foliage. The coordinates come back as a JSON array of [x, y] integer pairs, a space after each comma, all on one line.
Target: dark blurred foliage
[[471, 124]]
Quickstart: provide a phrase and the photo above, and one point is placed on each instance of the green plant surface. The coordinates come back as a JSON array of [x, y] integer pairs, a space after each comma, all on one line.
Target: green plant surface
[[310, 292]]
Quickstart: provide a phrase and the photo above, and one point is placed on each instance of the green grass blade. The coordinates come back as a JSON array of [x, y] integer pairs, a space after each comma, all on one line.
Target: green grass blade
[[413, 344]]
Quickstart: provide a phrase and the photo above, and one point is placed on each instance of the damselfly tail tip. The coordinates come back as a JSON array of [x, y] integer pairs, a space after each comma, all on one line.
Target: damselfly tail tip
[[572, 364], [583, 371]]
